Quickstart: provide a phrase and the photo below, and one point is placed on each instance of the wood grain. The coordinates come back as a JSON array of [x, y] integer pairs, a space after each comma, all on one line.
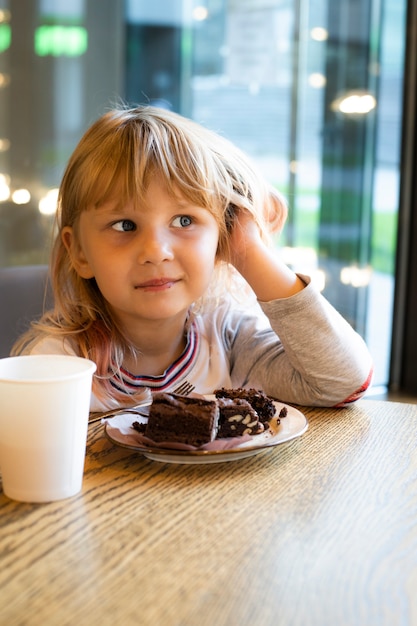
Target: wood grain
[[321, 531]]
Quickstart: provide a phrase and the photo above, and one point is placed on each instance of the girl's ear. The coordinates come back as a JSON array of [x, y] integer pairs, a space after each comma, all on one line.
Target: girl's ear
[[229, 216], [76, 254]]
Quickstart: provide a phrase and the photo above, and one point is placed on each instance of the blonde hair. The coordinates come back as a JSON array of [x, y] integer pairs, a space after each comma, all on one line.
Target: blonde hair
[[118, 155]]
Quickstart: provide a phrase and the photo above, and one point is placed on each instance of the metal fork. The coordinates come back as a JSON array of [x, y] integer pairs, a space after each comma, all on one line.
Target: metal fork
[[139, 409], [184, 389]]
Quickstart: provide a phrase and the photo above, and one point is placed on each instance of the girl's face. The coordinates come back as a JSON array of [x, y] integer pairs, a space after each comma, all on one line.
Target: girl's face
[[150, 262]]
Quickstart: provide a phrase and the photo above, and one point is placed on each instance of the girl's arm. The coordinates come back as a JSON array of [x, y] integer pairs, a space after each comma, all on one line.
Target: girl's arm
[[321, 360]]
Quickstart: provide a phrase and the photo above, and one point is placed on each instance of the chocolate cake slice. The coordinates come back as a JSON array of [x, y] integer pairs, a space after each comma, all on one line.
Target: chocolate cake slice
[[259, 401], [182, 419], [237, 417]]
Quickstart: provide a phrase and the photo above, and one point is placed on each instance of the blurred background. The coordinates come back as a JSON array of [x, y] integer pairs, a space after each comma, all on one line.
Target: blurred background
[[320, 93]]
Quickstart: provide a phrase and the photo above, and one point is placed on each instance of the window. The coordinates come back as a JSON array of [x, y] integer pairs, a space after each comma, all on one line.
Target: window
[[311, 89]]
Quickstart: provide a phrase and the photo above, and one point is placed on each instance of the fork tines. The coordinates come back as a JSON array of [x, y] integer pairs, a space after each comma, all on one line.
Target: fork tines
[[184, 389]]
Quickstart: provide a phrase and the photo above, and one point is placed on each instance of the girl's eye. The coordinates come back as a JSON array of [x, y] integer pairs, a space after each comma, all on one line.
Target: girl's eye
[[182, 221], [124, 226]]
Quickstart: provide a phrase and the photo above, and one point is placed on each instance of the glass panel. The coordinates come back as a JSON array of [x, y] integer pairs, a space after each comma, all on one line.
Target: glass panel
[[57, 73], [312, 90]]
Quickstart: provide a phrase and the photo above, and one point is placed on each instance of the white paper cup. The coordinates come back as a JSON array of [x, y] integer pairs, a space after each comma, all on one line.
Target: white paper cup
[[44, 408]]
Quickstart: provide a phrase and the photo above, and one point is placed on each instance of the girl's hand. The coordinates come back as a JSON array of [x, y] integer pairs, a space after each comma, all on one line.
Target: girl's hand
[[244, 235], [258, 263], [244, 230]]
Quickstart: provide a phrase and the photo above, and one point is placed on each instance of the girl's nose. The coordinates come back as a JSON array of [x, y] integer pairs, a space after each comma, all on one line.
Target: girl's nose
[[154, 246]]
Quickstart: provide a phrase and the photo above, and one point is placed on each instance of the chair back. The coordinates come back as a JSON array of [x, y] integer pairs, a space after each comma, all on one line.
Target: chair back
[[24, 296]]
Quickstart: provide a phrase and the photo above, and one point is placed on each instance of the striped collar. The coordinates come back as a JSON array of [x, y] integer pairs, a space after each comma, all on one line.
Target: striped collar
[[125, 381]]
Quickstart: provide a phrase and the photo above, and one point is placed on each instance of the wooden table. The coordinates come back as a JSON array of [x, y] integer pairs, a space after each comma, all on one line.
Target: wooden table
[[321, 531]]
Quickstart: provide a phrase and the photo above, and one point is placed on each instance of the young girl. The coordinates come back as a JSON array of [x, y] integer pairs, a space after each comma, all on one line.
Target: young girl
[[159, 222]]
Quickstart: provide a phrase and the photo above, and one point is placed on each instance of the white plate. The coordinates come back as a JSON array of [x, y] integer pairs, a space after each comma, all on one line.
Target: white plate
[[119, 430]]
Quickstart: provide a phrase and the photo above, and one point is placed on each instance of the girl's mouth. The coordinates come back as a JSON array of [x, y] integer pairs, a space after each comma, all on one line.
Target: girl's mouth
[[157, 284]]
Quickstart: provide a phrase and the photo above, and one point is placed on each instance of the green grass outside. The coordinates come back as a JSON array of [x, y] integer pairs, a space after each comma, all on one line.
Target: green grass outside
[[384, 242], [383, 236]]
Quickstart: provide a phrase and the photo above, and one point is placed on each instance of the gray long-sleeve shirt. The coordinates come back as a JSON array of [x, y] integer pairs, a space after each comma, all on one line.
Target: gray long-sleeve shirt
[[299, 350]]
